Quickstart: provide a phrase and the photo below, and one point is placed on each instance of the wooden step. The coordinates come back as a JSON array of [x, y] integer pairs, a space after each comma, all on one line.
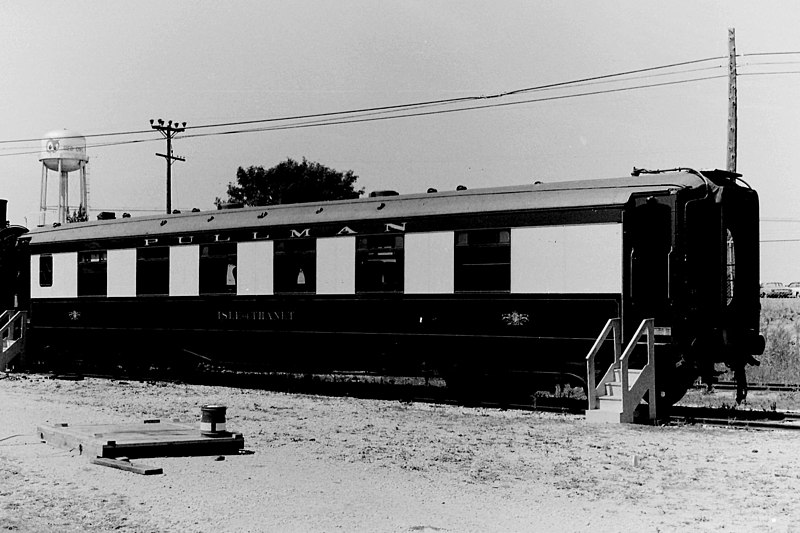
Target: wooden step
[[633, 374], [610, 403], [599, 416]]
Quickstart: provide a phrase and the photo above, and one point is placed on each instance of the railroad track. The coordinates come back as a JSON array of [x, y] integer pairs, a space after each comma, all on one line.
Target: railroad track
[[788, 421], [777, 387], [768, 420]]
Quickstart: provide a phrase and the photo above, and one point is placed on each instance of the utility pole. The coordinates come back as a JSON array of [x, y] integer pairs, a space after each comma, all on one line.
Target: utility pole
[[169, 131], [731, 99]]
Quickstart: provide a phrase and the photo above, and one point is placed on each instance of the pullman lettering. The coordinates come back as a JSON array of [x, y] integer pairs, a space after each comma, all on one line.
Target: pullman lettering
[[261, 235]]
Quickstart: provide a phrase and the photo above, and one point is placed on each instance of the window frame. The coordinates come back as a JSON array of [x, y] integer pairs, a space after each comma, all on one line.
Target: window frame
[[45, 274], [88, 276], [291, 257], [483, 265], [153, 267], [214, 269], [379, 255]]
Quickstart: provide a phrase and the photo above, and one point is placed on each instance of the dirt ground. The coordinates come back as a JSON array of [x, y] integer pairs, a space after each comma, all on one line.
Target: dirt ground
[[320, 464]]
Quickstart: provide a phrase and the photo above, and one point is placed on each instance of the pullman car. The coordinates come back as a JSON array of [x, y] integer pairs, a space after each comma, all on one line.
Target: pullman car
[[507, 285]]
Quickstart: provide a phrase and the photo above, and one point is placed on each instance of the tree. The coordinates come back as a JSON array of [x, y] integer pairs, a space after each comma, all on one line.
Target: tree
[[78, 216], [290, 182]]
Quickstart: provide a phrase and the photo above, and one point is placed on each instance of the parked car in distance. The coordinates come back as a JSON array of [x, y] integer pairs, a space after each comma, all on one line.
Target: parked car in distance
[[795, 286], [775, 289]]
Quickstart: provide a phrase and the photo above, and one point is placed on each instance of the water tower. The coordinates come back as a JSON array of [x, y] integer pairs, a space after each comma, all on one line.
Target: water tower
[[63, 151]]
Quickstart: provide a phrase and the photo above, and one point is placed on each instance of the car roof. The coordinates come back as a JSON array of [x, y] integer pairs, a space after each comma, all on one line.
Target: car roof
[[595, 193]]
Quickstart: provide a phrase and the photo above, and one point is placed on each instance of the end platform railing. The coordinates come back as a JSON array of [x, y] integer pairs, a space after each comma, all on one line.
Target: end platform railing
[[12, 336]]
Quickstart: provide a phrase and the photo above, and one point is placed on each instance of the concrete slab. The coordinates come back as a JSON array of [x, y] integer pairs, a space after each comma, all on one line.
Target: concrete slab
[[151, 438]]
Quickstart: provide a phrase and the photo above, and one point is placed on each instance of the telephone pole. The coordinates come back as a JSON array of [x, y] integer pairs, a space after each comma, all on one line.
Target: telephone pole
[[169, 131], [731, 100]]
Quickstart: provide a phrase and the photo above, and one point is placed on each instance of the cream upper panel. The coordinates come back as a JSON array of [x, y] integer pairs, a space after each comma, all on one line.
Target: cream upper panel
[[567, 259], [336, 265], [65, 276], [429, 266]]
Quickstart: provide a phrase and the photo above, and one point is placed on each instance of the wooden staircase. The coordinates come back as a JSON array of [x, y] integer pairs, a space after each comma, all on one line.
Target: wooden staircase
[[619, 394], [12, 336]]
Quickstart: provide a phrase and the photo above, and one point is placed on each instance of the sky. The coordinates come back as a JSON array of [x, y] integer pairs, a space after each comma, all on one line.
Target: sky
[[109, 67]]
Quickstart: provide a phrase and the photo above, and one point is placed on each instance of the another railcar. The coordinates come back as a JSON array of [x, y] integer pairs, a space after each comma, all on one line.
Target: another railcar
[[492, 284]]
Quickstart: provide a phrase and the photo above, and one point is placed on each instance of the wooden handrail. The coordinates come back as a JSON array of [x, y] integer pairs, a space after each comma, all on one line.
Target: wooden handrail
[[646, 380], [11, 325], [593, 390], [643, 384], [12, 333]]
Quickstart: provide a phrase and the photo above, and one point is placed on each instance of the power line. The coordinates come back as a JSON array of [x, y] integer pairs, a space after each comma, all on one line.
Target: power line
[[769, 73], [374, 113], [446, 111], [332, 121], [386, 109], [769, 54], [402, 106]]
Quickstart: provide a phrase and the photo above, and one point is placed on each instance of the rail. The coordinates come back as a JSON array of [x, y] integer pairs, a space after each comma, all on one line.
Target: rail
[[645, 383], [593, 390], [12, 335]]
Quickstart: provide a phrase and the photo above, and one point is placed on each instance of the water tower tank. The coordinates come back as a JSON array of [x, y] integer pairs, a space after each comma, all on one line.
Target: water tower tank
[[66, 147], [64, 151]]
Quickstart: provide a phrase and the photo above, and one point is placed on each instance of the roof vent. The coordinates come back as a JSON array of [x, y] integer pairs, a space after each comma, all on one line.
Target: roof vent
[[431, 189], [106, 215], [230, 205], [374, 194], [461, 188]]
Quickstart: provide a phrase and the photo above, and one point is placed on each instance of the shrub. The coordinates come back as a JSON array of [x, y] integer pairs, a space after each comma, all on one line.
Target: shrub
[[780, 325]]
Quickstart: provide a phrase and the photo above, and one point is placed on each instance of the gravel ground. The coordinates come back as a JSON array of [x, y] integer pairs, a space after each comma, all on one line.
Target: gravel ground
[[319, 464]]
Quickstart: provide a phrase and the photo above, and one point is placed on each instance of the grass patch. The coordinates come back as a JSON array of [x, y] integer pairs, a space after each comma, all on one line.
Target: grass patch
[[780, 325]]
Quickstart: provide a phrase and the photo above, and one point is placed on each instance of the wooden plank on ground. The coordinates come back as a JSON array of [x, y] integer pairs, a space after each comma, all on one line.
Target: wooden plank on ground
[[127, 465]]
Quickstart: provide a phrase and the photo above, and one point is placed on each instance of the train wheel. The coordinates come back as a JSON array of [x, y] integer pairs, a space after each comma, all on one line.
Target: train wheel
[[674, 382]]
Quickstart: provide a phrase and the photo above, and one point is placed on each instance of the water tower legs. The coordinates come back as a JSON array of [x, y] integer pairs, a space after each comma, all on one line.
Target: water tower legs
[[43, 199], [63, 188], [84, 193]]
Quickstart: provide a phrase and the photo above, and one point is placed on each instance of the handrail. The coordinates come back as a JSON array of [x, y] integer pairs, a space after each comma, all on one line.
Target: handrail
[[12, 333], [646, 380], [11, 330], [592, 389], [644, 383]]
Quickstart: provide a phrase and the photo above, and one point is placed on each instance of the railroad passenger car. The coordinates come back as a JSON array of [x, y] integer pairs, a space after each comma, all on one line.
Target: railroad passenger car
[[511, 284]]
